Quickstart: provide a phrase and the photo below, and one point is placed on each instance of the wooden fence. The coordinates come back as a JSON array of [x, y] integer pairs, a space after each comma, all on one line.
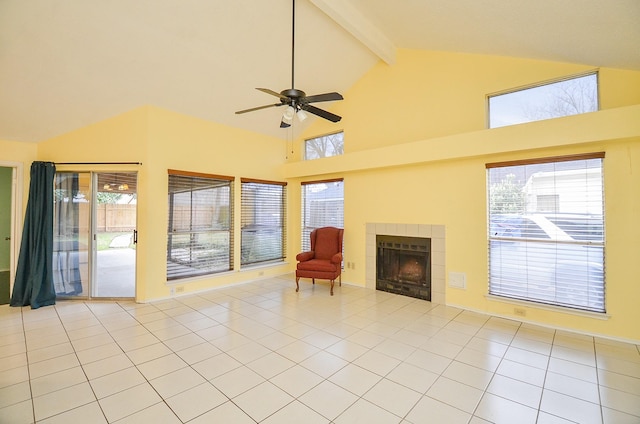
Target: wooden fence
[[121, 218], [115, 218]]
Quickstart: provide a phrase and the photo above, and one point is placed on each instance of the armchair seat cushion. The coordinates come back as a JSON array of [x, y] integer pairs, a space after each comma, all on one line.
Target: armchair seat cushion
[[320, 265]]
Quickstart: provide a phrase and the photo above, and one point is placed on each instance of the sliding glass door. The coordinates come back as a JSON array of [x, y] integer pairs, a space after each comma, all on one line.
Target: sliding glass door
[[115, 235], [94, 235], [71, 233]]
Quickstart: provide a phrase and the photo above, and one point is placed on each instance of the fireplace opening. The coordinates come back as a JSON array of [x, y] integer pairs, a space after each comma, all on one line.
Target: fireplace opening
[[403, 265]]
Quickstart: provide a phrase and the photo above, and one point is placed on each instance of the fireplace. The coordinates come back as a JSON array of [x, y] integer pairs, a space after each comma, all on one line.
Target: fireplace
[[403, 265]]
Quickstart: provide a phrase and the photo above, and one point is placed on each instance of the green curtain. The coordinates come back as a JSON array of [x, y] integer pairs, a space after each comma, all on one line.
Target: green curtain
[[33, 284]]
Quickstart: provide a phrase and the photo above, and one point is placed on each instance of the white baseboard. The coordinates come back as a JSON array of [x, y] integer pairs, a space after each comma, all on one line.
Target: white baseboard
[[553, 327]]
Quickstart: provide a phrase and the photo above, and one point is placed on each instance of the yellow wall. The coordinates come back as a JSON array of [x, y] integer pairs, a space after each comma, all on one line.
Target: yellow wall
[[184, 143], [163, 140], [416, 148], [414, 135], [14, 151], [122, 138], [432, 94], [22, 153]]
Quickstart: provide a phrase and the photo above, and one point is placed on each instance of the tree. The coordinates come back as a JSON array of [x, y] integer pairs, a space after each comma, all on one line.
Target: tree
[[565, 98], [328, 145], [108, 197], [507, 196]]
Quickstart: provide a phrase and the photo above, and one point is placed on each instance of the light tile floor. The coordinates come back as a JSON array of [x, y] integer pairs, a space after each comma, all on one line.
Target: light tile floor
[[260, 352]]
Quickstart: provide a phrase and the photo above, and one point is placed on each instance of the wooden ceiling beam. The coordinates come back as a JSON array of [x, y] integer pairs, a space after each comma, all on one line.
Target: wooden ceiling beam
[[352, 20]]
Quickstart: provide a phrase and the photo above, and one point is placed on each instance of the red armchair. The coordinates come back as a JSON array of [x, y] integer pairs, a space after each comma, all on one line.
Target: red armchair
[[324, 260]]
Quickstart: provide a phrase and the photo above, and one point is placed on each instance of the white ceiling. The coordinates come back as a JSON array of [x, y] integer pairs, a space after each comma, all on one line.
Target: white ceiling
[[65, 64]]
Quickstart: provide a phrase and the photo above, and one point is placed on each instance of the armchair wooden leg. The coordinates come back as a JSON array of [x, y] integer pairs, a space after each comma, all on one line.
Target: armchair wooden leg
[[332, 282], [340, 280], [297, 285], [313, 281]]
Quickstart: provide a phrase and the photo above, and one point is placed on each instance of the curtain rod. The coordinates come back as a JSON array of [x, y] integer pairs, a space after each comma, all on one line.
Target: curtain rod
[[98, 163]]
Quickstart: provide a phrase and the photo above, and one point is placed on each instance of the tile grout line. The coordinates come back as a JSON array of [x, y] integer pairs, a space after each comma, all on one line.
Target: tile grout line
[[310, 321]]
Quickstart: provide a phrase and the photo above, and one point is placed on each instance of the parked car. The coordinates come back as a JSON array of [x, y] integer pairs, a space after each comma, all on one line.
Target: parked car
[[555, 258]]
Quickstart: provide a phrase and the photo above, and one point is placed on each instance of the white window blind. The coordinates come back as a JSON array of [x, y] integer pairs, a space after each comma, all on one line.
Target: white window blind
[[546, 231], [200, 232], [263, 234], [322, 206]]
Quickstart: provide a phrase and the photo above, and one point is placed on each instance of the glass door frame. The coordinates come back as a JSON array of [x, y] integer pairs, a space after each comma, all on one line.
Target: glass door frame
[[121, 179], [92, 260]]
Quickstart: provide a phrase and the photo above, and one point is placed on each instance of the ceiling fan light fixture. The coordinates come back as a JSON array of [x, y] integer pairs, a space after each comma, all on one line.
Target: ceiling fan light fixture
[[302, 115], [288, 113]]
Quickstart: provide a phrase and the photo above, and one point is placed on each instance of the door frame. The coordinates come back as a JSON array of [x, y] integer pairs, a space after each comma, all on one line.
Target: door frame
[[93, 225], [17, 215], [92, 252]]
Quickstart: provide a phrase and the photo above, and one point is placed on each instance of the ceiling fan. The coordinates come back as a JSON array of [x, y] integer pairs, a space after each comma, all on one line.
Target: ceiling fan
[[297, 101]]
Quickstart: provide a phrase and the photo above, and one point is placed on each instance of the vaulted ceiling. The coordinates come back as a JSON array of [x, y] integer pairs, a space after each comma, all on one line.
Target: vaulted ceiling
[[65, 64]]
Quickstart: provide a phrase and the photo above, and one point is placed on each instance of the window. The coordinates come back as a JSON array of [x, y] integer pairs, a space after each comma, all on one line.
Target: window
[[547, 202], [322, 206], [571, 96], [200, 229], [324, 146], [551, 253], [263, 235]]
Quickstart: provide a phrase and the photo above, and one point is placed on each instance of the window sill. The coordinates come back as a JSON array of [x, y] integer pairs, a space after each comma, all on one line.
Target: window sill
[[250, 267], [191, 279], [551, 308]]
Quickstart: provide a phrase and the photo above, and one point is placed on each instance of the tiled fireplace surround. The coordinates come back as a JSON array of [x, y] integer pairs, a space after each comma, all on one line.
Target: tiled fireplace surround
[[437, 235]]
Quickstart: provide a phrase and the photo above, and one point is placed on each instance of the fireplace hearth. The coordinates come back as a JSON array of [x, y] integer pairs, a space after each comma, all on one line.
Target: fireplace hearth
[[403, 265]]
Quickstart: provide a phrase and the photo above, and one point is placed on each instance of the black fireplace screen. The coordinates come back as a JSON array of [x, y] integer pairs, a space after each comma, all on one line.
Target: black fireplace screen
[[404, 265]]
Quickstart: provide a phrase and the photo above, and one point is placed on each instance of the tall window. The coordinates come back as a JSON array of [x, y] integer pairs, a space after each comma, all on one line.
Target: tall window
[[571, 96], [546, 231], [263, 221], [322, 206], [200, 229], [324, 146]]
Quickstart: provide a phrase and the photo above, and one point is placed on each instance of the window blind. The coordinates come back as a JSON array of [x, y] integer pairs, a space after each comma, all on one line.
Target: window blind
[[200, 229], [546, 231], [263, 217], [322, 206]]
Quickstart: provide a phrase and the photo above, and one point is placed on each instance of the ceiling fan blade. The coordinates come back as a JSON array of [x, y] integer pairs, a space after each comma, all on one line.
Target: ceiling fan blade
[[326, 97], [257, 108], [321, 113], [273, 93]]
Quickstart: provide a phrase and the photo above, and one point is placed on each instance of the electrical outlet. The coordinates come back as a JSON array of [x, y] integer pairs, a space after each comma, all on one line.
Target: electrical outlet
[[172, 291], [521, 312]]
